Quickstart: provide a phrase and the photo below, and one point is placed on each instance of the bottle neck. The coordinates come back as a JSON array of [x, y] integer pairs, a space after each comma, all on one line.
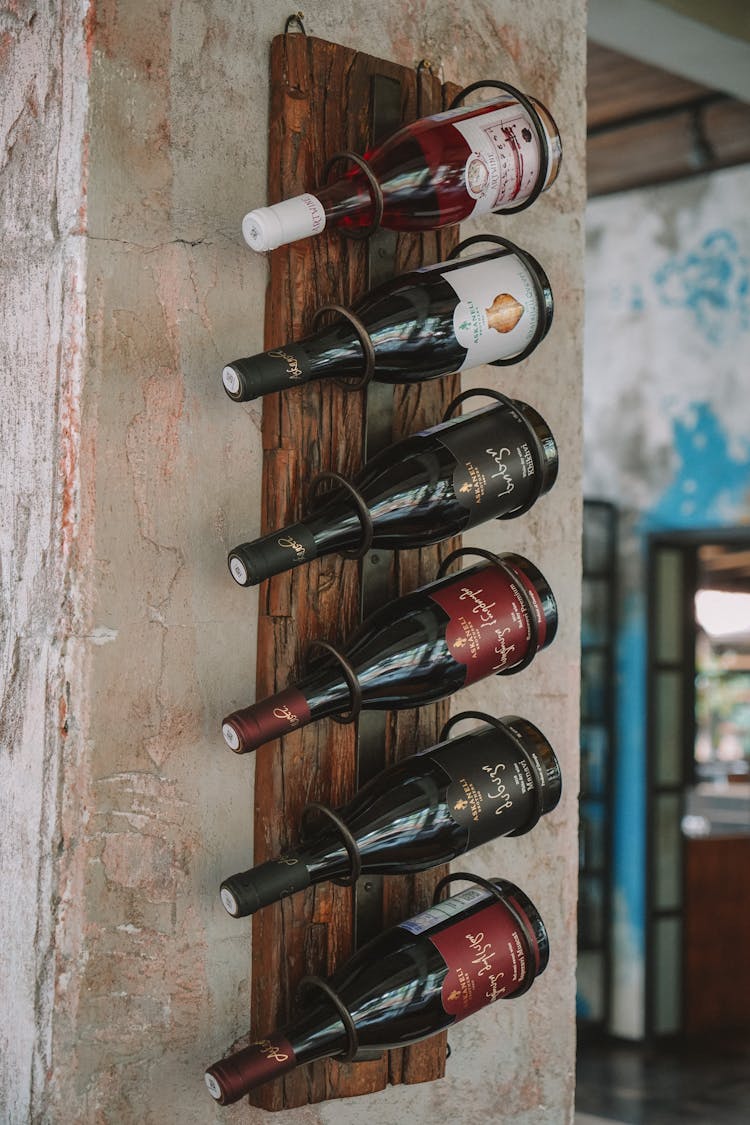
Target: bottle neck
[[335, 526], [323, 692]]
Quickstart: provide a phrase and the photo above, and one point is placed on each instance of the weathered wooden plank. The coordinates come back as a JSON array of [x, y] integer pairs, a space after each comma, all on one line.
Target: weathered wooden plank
[[320, 104]]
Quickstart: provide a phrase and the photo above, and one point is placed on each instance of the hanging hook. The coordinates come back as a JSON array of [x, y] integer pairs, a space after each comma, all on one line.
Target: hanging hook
[[296, 17]]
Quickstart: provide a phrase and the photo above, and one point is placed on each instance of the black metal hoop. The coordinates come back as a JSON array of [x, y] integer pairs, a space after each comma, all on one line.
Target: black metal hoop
[[508, 733], [348, 840], [296, 17], [537, 453], [364, 338], [522, 591], [352, 682], [375, 189], [533, 270], [538, 124], [343, 1013], [368, 531], [501, 896]]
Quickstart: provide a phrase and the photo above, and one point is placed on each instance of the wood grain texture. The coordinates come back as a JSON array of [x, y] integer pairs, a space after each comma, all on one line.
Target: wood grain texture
[[320, 104]]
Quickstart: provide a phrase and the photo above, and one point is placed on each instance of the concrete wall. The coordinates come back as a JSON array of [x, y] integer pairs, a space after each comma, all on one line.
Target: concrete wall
[[666, 423], [134, 140]]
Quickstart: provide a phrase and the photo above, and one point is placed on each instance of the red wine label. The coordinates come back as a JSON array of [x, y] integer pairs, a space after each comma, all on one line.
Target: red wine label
[[486, 958], [493, 789], [495, 471], [268, 719], [489, 628], [504, 163], [497, 311], [486, 953]]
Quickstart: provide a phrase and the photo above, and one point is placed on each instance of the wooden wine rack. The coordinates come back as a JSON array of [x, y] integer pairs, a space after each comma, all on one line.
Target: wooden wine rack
[[321, 104]]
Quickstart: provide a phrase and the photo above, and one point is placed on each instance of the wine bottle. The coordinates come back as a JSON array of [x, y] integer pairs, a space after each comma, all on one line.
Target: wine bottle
[[491, 463], [417, 649], [425, 323], [408, 983], [433, 173], [494, 781]]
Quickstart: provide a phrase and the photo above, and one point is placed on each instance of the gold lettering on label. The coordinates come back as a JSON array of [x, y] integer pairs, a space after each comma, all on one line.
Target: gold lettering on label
[[504, 313], [270, 1050], [293, 369], [288, 860], [293, 545], [285, 713], [459, 642], [461, 805], [502, 792]]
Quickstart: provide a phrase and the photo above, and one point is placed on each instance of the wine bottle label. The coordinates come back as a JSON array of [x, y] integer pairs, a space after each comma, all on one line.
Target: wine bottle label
[[494, 471], [504, 162], [442, 911], [487, 960], [493, 788], [497, 311], [489, 628]]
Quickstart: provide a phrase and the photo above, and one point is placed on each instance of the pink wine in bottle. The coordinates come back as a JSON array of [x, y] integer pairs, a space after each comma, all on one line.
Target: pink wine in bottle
[[433, 173]]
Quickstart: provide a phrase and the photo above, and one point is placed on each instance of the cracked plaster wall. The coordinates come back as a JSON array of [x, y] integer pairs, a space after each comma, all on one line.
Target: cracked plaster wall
[[129, 474]]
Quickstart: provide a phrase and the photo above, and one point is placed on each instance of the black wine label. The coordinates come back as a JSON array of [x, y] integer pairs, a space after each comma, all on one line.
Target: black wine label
[[493, 786], [495, 472]]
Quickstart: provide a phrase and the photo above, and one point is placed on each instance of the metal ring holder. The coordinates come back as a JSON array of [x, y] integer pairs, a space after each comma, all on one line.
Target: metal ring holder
[[296, 17], [468, 877], [536, 120], [351, 681], [537, 454], [533, 271], [494, 722], [363, 511], [375, 190], [342, 1011], [364, 339], [347, 839], [523, 592]]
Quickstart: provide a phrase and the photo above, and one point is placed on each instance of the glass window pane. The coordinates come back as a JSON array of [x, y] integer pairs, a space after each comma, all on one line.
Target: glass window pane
[[593, 686], [590, 911], [668, 732], [598, 527], [594, 759], [668, 605], [595, 623], [667, 975], [667, 874], [590, 981], [592, 840]]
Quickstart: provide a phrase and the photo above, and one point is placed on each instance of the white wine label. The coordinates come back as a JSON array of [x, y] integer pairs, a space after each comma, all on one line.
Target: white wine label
[[497, 311], [504, 162], [428, 919]]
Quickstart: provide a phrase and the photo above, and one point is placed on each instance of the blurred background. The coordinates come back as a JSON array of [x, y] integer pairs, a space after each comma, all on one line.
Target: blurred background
[[664, 908]]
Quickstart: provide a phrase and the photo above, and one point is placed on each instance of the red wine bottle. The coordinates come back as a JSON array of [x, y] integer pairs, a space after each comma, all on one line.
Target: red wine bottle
[[433, 173], [425, 323], [417, 649], [411, 981], [491, 463], [494, 781]]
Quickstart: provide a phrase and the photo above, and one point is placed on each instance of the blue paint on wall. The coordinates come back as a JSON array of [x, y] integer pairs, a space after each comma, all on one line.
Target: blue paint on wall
[[712, 283], [711, 489]]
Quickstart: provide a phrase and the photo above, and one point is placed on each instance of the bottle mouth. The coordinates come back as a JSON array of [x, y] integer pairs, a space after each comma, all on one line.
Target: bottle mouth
[[231, 737], [534, 742], [546, 444], [544, 593], [537, 937]]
